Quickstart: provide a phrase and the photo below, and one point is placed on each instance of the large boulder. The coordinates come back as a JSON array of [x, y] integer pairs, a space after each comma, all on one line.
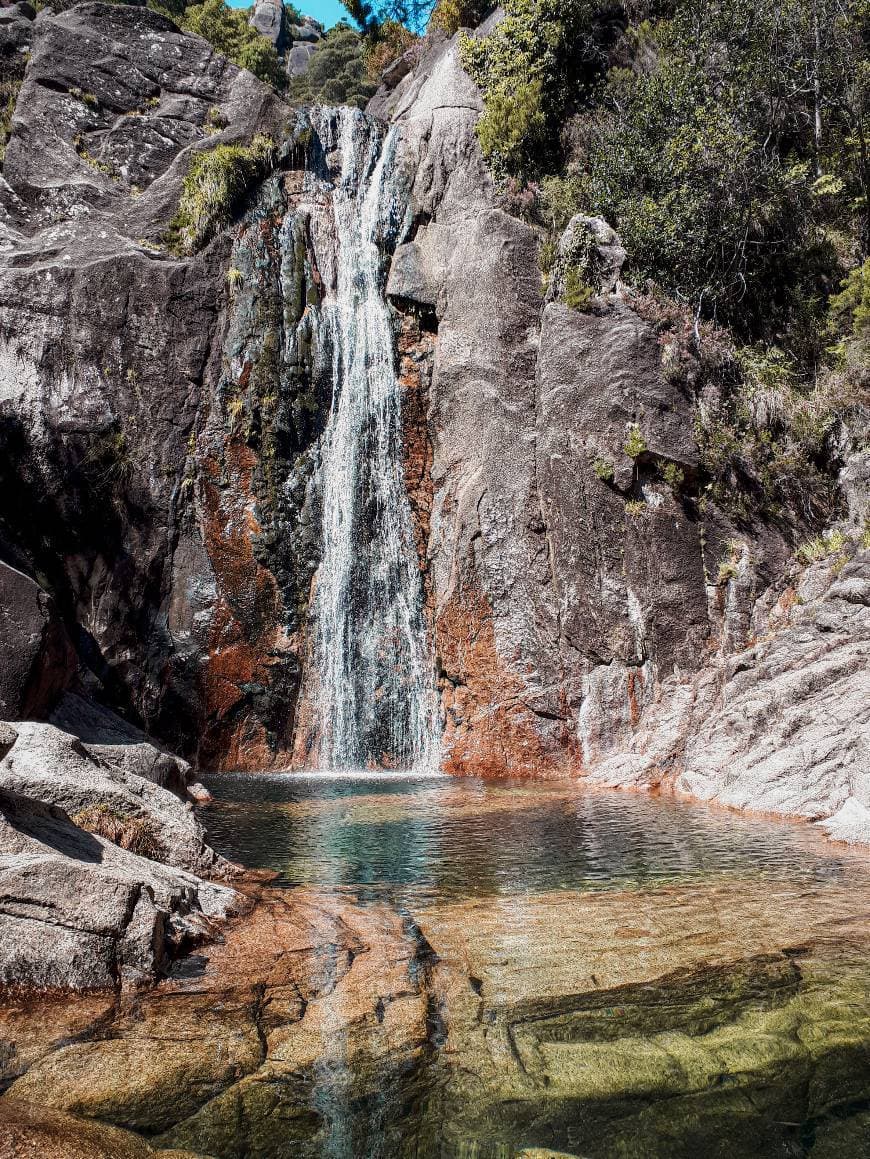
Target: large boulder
[[99, 791], [99, 868], [77, 912], [107, 736], [38, 659]]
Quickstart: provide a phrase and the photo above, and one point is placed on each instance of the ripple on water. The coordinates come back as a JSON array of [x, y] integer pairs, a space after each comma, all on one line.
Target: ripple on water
[[442, 838]]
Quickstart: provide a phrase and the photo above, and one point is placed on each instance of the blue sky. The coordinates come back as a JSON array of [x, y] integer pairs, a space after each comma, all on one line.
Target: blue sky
[[328, 12]]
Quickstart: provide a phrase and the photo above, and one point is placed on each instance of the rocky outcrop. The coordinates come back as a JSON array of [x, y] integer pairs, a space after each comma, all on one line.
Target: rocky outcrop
[[293, 42], [569, 562], [99, 869], [781, 727], [109, 346]]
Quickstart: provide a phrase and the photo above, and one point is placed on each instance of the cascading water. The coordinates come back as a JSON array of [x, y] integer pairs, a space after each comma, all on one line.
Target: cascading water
[[375, 699]]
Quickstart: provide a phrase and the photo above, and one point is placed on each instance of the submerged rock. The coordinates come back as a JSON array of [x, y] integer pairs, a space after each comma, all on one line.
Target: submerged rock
[[657, 1022]]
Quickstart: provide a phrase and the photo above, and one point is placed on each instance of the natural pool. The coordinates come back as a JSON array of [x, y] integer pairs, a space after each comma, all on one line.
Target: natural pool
[[468, 969]]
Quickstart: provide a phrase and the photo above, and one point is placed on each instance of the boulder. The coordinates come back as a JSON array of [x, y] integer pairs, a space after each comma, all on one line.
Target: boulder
[[108, 737], [267, 16], [77, 912], [593, 249], [298, 58], [99, 790], [38, 659]]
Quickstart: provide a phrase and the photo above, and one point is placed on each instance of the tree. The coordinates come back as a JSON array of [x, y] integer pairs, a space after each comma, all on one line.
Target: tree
[[371, 14]]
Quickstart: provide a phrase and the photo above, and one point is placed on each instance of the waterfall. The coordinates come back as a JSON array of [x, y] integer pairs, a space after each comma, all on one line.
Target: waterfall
[[375, 699]]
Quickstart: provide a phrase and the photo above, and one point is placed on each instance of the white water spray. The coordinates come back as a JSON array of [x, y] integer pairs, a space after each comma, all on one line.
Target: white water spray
[[376, 701]]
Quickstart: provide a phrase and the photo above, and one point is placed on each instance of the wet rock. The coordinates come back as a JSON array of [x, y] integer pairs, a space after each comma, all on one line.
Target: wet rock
[[562, 1024], [27, 1130]]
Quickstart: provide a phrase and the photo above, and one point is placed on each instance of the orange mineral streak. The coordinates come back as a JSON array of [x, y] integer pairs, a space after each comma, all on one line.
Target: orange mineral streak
[[489, 730], [246, 629]]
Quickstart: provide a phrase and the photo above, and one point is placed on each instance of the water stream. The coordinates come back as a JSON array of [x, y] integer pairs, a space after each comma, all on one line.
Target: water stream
[[375, 695]]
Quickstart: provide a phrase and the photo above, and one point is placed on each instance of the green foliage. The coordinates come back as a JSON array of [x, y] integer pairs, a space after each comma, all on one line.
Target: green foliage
[[451, 15], [673, 475], [578, 294], [635, 444], [603, 469], [512, 127], [849, 325], [214, 188], [635, 508], [337, 72], [227, 30], [821, 547], [726, 140], [533, 65]]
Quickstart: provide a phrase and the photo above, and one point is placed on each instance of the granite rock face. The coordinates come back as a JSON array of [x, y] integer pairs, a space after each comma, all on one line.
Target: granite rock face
[[109, 348], [99, 869], [38, 658], [577, 619], [160, 425], [541, 569]]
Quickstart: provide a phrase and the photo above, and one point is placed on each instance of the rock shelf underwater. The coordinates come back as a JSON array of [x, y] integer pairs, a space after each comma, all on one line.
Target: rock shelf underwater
[[699, 988]]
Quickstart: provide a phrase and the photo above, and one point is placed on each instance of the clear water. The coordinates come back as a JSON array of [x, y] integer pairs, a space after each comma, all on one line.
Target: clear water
[[445, 838], [609, 976], [371, 669]]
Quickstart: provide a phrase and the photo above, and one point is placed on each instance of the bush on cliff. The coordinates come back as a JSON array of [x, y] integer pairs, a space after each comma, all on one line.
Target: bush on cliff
[[728, 142], [214, 188], [227, 30], [451, 15], [547, 52], [338, 72], [392, 41]]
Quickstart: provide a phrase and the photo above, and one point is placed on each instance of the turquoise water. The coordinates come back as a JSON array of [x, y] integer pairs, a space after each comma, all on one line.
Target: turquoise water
[[444, 838]]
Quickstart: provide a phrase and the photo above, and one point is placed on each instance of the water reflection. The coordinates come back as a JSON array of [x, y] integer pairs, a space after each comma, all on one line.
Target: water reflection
[[440, 839]]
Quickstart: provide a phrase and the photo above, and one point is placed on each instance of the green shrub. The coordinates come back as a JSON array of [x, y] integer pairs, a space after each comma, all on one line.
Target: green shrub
[[822, 547], [673, 475], [337, 72], [227, 29], [214, 187], [529, 68], [578, 294], [604, 470], [635, 444], [512, 126], [849, 325], [635, 508]]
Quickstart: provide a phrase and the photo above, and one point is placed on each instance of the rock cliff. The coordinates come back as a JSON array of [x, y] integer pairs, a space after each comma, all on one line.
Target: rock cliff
[[161, 416]]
